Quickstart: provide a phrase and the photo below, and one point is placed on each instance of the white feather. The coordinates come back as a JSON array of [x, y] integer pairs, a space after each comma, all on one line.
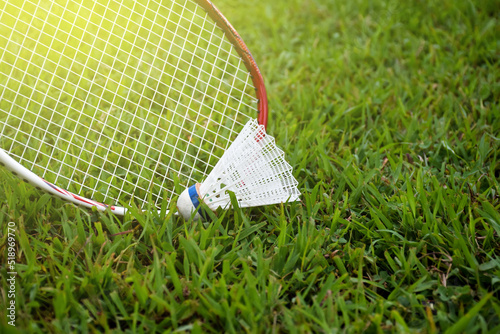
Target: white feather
[[254, 168]]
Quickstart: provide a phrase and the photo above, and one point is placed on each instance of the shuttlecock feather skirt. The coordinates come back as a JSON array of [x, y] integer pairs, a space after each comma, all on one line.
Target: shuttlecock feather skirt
[[253, 167]]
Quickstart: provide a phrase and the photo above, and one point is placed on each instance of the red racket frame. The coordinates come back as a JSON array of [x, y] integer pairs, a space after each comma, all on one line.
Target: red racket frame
[[233, 36]]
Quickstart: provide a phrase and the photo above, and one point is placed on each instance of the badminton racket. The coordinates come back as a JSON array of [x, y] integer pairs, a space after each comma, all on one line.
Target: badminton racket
[[121, 102]]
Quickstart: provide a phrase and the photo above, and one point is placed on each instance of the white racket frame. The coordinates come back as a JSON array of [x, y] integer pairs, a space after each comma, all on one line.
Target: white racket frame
[[28, 176]]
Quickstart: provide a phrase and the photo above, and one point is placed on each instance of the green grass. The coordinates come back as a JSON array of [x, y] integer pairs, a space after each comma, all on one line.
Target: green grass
[[389, 113]]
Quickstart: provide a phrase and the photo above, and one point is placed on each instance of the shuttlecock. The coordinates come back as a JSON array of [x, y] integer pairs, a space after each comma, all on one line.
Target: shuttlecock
[[253, 167]]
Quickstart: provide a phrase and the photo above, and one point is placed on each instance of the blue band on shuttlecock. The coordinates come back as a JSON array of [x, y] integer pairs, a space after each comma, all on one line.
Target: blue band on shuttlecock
[[193, 194]]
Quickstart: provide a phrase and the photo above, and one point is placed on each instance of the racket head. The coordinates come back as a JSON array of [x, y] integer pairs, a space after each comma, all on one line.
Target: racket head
[[123, 102]]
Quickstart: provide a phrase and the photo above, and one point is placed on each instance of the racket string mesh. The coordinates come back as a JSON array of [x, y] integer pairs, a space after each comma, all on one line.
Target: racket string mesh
[[118, 100]]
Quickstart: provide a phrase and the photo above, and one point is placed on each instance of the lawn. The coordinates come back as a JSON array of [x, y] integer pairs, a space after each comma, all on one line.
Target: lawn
[[389, 112]]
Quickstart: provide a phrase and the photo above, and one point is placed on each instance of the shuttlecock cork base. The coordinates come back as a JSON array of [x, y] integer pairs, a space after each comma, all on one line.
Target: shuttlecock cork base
[[189, 201], [253, 167]]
